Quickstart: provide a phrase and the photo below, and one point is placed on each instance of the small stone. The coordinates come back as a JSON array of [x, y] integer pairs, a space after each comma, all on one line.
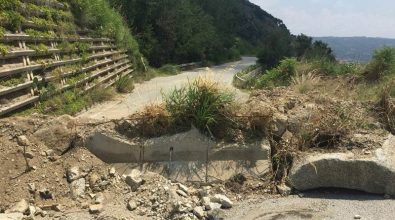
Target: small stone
[[49, 153], [112, 171], [131, 205], [99, 198], [73, 173], [95, 209], [183, 188], [29, 155], [198, 212], [284, 190], [357, 217], [206, 203], [31, 187], [11, 216], [181, 193], [57, 208], [216, 214], [133, 179], [78, 187], [223, 200], [23, 141], [32, 210], [21, 207], [213, 205]]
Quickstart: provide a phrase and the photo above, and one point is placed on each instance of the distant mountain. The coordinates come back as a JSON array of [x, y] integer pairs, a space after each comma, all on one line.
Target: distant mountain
[[356, 49]]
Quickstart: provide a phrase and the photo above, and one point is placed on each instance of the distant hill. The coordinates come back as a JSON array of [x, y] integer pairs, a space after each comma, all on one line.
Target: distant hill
[[357, 49]]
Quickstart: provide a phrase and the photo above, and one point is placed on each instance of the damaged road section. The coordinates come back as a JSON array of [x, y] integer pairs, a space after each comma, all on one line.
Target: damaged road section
[[369, 172]]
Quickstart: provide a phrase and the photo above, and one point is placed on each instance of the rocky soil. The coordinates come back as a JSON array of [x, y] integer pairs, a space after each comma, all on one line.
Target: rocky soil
[[48, 174]]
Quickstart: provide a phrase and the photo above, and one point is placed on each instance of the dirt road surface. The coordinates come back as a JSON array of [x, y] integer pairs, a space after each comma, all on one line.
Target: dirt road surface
[[321, 204], [151, 91]]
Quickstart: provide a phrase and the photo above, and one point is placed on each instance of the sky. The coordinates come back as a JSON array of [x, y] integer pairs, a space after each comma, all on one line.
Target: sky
[[343, 18]]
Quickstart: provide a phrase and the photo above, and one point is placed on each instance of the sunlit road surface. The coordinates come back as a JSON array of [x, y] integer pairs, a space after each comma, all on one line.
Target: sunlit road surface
[[152, 91]]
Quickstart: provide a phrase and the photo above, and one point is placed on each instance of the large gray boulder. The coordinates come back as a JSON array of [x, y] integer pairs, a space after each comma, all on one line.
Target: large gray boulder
[[373, 173]]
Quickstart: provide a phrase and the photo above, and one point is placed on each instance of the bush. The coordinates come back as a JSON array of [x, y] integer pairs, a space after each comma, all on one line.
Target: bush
[[387, 106], [169, 69], [124, 84], [382, 64], [99, 16], [202, 104], [71, 102], [279, 76], [329, 67]]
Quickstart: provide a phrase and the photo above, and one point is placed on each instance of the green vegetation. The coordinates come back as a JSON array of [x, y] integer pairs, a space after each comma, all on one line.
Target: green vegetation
[[279, 76], [201, 103], [216, 31], [10, 82], [4, 49], [72, 102], [381, 65], [35, 33], [39, 48], [169, 69], [2, 32], [99, 16], [124, 84]]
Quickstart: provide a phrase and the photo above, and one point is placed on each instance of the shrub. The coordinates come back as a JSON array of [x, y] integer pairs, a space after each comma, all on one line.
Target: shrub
[[304, 82], [124, 84], [99, 16], [169, 69], [3, 49], [202, 104], [387, 106], [382, 64], [279, 76]]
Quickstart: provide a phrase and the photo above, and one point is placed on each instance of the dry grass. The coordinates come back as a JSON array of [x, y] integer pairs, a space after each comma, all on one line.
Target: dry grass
[[304, 83], [387, 106]]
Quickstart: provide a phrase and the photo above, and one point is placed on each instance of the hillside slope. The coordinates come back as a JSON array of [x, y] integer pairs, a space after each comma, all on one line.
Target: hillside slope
[[59, 50], [174, 31], [358, 49]]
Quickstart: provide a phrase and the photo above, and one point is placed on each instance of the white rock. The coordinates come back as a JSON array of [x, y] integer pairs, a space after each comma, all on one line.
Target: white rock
[[213, 205], [112, 171], [223, 200], [11, 216], [206, 203], [78, 187], [131, 205], [95, 209], [133, 179], [183, 188], [99, 198], [32, 210], [73, 173], [357, 217], [20, 207], [198, 212], [29, 155], [284, 190], [181, 193], [23, 141]]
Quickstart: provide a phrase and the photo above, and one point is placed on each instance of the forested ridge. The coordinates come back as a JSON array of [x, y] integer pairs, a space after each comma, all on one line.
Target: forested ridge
[[180, 31]]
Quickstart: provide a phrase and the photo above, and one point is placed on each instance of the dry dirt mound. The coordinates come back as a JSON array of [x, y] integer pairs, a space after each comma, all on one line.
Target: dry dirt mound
[[47, 173]]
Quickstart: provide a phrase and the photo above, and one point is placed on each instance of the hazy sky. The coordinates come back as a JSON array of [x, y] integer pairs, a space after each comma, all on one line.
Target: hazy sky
[[373, 18]]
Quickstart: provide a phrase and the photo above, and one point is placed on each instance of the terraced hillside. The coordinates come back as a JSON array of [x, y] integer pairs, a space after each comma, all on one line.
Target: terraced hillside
[[43, 52]]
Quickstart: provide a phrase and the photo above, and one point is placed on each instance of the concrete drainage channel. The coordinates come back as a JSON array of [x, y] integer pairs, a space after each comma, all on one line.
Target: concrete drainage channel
[[188, 156], [191, 156]]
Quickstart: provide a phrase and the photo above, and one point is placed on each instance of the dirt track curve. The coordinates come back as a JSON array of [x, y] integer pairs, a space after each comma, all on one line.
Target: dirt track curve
[[151, 91]]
